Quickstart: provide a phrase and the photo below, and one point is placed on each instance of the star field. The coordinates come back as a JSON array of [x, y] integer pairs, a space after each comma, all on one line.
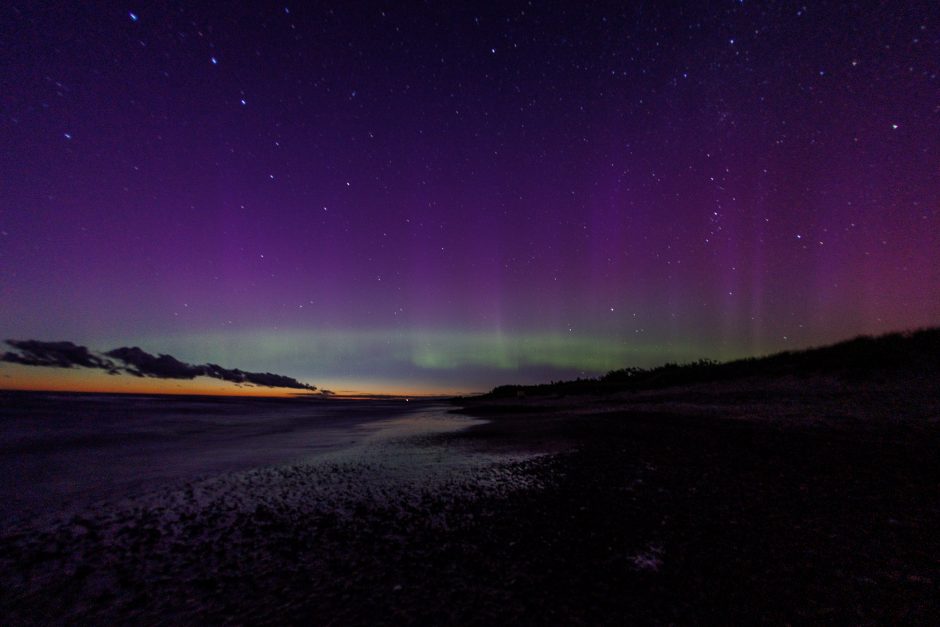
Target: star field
[[433, 196]]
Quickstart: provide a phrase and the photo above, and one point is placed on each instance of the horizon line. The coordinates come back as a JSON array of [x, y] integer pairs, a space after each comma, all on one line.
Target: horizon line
[[345, 395]]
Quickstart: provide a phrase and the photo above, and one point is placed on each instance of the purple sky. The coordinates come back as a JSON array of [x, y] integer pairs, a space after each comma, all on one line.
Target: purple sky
[[431, 196]]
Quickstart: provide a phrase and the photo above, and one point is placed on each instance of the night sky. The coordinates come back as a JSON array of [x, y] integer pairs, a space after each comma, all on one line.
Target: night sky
[[441, 197]]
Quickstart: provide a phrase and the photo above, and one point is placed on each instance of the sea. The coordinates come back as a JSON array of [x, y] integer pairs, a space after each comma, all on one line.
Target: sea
[[63, 452]]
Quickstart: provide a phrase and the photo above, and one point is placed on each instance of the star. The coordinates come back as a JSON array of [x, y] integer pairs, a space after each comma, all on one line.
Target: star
[[134, 17]]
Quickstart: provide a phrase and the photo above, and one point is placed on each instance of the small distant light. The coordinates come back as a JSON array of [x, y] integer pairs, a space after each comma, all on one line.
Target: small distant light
[[214, 60], [894, 126], [68, 135], [134, 17], [243, 102], [492, 50]]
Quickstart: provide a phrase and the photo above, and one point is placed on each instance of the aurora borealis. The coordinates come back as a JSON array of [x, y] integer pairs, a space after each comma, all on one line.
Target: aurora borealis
[[437, 197]]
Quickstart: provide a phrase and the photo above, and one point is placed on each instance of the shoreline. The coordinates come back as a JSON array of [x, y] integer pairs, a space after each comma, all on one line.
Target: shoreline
[[570, 510]]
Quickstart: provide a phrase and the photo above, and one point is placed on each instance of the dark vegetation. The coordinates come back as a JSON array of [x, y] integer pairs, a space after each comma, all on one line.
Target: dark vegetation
[[915, 352]]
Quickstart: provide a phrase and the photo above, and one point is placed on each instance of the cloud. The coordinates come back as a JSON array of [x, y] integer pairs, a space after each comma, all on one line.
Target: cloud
[[256, 378], [137, 362], [55, 354], [142, 364]]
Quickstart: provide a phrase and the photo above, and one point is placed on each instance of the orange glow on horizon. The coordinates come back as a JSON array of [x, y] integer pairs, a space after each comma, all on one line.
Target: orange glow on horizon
[[38, 379]]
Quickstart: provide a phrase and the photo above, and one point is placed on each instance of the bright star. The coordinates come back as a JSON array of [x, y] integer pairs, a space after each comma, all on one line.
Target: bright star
[[214, 60], [134, 17]]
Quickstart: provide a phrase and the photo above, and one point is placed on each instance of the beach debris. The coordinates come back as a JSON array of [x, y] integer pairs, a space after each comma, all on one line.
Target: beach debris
[[649, 560]]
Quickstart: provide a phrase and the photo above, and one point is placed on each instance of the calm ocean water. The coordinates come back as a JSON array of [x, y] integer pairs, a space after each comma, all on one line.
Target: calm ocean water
[[62, 452]]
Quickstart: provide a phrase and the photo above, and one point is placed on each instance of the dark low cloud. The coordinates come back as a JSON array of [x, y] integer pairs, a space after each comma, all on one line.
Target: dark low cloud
[[137, 362], [55, 354], [255, 378], [142, 364]]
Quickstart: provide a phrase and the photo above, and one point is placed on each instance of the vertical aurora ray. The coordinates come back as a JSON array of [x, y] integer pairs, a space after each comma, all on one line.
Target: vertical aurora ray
[[525, 193]]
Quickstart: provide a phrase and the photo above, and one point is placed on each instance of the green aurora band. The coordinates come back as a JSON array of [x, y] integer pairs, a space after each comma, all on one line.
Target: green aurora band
[[425, 360]]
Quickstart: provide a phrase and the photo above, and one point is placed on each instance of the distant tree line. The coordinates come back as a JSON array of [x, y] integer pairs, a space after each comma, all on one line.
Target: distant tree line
[[915, 353]]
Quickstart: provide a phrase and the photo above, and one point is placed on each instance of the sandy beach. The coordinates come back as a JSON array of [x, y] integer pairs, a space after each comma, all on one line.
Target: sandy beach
[[776, 502], [565, 510], [330, 532]]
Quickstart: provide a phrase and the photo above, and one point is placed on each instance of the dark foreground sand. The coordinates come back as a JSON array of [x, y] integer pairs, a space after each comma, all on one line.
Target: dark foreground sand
[[776, 503]]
